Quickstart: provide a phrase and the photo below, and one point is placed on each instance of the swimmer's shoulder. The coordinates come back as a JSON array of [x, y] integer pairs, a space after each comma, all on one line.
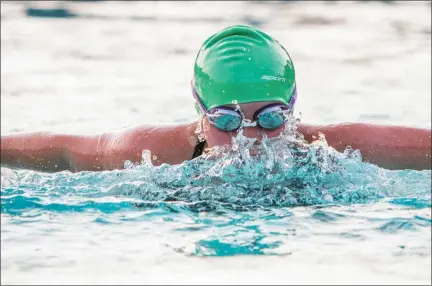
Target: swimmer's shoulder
[[168, 143]]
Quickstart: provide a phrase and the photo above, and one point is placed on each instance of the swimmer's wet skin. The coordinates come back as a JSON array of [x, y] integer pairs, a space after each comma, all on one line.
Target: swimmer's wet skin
[[241, 74]]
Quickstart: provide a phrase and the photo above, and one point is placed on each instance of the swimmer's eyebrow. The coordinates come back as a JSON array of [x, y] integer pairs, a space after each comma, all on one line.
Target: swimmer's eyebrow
[[233, 106], [228, 106]]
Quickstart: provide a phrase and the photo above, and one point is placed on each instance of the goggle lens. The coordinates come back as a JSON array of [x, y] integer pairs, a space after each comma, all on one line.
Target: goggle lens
[[230, 120]]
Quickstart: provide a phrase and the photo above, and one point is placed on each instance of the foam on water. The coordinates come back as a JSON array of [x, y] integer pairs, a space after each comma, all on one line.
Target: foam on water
[[299, 215], [288, 172], [293, 199]]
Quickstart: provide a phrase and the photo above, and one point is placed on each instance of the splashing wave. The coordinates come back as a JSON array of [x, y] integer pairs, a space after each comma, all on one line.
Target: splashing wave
[[286, 172]]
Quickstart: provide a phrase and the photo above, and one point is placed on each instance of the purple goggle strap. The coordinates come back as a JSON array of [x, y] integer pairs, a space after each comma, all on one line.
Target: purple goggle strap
[[204, 109]]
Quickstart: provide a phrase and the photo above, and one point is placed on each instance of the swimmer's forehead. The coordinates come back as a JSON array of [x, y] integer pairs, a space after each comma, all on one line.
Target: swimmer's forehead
[[252, 105]]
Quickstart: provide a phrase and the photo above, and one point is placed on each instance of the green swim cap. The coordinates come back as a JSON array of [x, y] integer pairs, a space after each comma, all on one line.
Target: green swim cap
[[243, 64]]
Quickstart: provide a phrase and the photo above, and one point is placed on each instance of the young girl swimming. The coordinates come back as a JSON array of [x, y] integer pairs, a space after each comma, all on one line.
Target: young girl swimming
[[240, 73]]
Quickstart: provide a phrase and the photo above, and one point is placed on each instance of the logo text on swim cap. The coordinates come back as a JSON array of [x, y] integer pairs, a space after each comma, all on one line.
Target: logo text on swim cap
[[270, 77]]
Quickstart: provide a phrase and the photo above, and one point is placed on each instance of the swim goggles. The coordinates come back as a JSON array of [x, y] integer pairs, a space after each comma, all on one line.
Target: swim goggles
[[229, 119]]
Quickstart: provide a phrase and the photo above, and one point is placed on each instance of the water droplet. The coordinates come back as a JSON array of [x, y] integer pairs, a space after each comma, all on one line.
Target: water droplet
[[234, 101], [146, 158], [250, 58], [128, 164], [223, 91], [328, 198]]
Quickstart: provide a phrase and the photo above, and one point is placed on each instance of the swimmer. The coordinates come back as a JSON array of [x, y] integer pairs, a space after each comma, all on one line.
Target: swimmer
[[240, 73]]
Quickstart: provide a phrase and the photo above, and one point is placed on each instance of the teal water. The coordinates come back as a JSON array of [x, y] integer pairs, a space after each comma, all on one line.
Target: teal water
[[234, 203], [305, 216]]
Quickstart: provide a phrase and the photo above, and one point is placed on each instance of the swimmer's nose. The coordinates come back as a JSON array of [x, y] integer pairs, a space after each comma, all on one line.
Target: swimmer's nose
[[252, 132]]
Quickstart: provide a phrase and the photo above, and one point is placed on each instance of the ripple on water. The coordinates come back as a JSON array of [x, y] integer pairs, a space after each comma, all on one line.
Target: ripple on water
[[230, 203]]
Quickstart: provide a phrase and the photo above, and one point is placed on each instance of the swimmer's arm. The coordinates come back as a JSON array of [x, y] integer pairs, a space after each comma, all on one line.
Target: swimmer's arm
[[51, 152], [39, 151], [390, 147], [109, 151], [44, 151]]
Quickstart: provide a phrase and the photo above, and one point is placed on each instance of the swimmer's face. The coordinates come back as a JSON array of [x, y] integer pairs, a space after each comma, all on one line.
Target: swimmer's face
[[215, 137]]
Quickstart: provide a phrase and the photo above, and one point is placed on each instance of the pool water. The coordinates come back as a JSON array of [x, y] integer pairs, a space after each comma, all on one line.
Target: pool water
[[302, 214], [306, 201]]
